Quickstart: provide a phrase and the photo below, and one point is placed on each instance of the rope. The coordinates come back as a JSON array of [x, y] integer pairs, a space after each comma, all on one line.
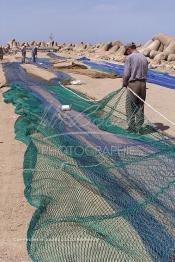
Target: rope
[[156, 111], [89, 99]]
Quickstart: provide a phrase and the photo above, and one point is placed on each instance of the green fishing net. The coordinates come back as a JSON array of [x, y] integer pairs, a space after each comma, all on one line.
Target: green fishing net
[[101, 193]]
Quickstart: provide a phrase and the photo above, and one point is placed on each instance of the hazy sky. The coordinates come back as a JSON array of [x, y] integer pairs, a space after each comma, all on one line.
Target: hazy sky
[[85, 20]]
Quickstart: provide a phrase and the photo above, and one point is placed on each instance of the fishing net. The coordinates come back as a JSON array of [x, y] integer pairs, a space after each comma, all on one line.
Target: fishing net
[[101, 193]]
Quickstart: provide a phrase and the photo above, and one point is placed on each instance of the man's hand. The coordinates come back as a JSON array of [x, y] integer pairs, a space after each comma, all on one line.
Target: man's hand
[[125, 85]]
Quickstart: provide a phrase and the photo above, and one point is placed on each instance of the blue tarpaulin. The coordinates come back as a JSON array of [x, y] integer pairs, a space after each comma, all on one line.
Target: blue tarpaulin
[[162, 79]]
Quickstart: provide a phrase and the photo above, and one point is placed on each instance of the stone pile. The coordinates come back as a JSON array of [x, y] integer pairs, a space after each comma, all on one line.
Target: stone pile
[[160, 47], [160, 50]]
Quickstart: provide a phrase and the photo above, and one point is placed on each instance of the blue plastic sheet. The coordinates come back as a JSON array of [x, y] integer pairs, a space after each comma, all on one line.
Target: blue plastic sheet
[[84, 59], [162, 79], [54, 56]]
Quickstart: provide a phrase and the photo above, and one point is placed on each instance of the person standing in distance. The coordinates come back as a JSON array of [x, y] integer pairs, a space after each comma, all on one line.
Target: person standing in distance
[[1, 53], [24, 52], [34, 54]]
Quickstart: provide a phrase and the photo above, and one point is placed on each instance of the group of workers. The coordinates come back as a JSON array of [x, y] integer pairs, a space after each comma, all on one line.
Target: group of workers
[[24, 52]]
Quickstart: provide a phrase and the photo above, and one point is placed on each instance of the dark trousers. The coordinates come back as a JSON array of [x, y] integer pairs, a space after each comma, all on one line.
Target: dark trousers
[[23, 59], [33, 58], [134, 106]]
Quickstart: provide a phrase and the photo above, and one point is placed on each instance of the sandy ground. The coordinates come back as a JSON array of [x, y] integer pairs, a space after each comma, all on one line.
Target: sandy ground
[[38, 73], [15, 212]]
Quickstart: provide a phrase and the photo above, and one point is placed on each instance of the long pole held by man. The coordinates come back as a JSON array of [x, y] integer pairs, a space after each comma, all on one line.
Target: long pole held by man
[[134, 79]]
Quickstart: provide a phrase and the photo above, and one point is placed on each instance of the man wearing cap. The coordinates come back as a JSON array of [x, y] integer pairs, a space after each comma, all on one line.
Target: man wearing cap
[[134, 78], [23, 52], [34, 54]]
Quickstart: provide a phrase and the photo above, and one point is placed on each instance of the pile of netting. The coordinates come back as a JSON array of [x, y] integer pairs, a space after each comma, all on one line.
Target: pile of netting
[[100, 192]]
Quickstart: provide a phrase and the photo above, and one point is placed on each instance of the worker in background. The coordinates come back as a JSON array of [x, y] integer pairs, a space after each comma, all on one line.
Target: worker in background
[[1, 53], [134, 78], [34, 54], [24, 52]]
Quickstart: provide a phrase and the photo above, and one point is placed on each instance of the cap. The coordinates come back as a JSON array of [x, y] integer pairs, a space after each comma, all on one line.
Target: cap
[[130, 45]]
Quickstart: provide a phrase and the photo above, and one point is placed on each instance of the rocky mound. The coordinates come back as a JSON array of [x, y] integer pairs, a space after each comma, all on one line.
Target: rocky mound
[[160, 47], [160, 50]]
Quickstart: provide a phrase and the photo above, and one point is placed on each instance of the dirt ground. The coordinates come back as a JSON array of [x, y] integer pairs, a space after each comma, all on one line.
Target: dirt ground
[[15, 212]]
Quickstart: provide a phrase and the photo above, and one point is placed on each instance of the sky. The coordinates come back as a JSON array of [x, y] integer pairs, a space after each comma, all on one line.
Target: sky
[[85, 20]]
